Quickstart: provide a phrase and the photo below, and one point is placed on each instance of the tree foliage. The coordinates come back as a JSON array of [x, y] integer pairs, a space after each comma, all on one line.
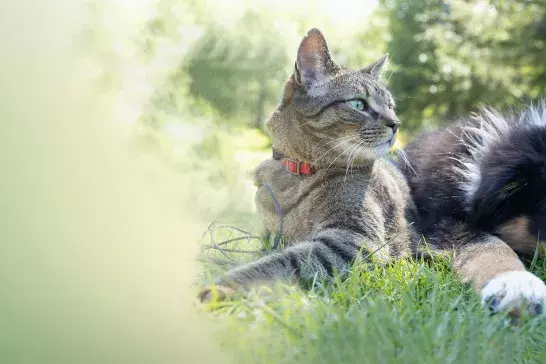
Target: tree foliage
[[455, 55], [447, 58], [239, 71]]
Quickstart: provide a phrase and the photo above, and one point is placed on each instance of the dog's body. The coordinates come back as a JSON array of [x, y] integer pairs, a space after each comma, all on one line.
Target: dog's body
[[480, 190]]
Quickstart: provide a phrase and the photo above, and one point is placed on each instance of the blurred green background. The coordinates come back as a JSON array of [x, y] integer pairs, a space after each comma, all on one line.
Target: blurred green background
[[127, 126], [203, 75]]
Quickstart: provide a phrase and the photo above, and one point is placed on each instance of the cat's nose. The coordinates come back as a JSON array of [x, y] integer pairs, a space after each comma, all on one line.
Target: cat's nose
[[393, 124], [391, 120]]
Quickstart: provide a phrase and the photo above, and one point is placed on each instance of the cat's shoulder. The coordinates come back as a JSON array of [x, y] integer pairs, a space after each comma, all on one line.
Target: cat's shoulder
[[266, 169]]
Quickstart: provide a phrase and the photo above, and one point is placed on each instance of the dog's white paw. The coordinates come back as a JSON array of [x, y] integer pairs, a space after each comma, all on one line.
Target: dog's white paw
[[517, 292]]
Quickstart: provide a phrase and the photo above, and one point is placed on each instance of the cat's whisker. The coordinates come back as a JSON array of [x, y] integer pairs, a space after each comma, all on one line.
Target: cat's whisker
[[350, 161], [393, 71], [404, 156], [335, 146], [340, 154], [362, 147], [354, 148], [326, 152], [352, 157], [325, 143]]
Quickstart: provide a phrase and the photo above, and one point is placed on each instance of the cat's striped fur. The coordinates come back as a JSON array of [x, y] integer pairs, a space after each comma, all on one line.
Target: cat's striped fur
[[356, 203]]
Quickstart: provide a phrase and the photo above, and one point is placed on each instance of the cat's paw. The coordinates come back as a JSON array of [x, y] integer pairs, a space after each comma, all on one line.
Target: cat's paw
[[518, 293], [217, 293]]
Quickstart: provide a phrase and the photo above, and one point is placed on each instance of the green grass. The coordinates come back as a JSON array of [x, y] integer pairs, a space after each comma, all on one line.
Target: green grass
[[407, 312]]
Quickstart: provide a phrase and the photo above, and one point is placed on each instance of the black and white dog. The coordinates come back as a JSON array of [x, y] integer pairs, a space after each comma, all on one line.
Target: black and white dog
[[480, 189]]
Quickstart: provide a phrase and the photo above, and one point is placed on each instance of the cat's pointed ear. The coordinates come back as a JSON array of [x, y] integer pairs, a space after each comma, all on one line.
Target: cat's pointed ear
[[314, 63], [377, 68]]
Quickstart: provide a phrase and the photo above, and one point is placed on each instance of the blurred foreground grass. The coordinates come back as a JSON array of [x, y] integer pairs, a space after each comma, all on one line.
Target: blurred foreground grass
[[97, 242]]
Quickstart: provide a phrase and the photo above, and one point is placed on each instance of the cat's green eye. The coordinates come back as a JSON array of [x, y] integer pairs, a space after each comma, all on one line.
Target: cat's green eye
[[358, 104]]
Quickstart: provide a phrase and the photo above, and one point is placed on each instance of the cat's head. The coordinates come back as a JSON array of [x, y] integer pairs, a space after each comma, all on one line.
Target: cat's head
[[330, 115]]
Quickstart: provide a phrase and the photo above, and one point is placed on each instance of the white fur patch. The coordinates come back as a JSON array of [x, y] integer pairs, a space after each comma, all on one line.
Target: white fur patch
[[537, 115], [381, 150], [355, 152], [515, 289], [481, 133]]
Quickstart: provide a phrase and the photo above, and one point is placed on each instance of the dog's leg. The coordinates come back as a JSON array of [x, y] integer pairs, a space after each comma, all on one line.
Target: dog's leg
[[492, 267], [497, 273]]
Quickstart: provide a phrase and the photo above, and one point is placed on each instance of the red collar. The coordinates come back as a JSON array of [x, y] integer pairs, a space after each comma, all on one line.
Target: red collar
[[294, 167]]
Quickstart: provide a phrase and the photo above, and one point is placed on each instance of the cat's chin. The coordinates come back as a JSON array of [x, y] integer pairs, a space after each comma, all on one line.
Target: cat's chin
[[381, 149]]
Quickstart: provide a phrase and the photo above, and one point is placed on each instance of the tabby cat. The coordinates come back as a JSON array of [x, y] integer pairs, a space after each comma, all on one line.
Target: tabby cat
[[340, 201]]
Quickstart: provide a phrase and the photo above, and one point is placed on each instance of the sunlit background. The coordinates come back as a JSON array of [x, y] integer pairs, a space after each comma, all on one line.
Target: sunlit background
[[197, 79], [122, 121]]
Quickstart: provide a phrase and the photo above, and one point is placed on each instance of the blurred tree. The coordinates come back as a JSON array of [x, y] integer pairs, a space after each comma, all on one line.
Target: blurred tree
[[164, 42], [411, 56], [368, 43], [240, 72], [208, 79], [231, 74], [454, 55], [447, 58]]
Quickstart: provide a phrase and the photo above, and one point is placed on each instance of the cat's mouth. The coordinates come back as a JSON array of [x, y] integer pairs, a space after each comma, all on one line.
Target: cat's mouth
[[388, 142], [383, 147], [371, 150], [385, 143]]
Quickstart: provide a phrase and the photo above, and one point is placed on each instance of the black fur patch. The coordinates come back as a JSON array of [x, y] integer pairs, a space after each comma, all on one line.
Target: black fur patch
[[511, 183], [337, 249]]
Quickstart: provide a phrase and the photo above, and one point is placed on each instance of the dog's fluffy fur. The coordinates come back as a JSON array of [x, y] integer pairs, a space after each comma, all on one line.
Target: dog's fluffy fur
[[480, 190]]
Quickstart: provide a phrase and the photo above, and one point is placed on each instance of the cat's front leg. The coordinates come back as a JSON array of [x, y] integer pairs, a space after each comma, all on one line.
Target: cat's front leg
[[216, 292], [329, 251]]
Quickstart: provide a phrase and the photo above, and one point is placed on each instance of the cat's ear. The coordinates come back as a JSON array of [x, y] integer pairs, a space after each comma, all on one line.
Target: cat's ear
[[314, 63], [377, 68]]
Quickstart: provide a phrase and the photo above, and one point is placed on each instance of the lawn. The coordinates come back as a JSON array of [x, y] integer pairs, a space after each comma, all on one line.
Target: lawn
[[407, 312]]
